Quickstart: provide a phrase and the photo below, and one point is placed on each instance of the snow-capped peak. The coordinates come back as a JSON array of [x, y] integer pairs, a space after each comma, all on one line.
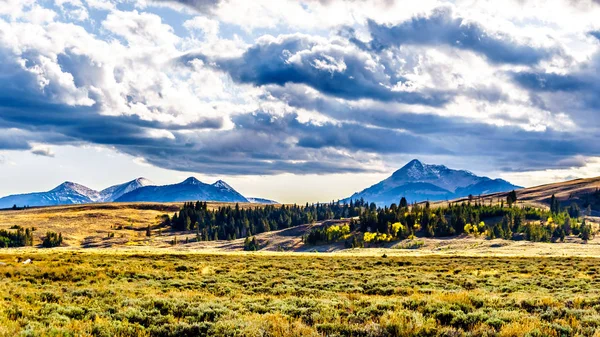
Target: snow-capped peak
[[191, 181], [114, 192], [416, 170], [414, 163], [222, 185], [135, 184], [69, 187], [438, 175]]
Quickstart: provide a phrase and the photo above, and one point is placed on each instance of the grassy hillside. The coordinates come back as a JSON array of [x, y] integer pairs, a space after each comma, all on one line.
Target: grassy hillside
[[126, 294], [90, 225], [567, 192]]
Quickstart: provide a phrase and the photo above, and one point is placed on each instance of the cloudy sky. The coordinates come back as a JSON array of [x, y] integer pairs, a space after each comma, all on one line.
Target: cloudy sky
[[295, 100]]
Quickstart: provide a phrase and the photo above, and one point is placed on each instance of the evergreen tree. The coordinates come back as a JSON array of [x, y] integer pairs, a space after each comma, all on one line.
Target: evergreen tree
[[511, 198], [52, 239], [554, 205], [586, 231]]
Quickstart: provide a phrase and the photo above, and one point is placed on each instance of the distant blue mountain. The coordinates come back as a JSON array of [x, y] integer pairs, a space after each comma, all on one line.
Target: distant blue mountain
[[420, 182], [189, 190], [63, 194], [139, 189]]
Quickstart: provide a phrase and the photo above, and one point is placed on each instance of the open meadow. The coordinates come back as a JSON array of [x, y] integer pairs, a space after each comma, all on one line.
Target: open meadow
[[166, 293]]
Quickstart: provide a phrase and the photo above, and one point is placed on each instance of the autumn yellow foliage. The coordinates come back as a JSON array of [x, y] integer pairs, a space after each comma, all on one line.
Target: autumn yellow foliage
[[475, 229]]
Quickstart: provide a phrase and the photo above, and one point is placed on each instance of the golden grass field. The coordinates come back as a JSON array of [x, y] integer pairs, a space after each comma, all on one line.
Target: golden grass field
[[166, 293], [89, 225], [538, 196], [133, 285]]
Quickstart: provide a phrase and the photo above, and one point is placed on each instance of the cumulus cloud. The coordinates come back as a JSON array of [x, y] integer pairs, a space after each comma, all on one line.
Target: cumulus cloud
[[200, 93], [335, 69], [429, 132], [442, 28], [574, 91]]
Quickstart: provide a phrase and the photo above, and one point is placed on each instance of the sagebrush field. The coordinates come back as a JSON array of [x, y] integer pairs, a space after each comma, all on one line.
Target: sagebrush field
[[96, 293]]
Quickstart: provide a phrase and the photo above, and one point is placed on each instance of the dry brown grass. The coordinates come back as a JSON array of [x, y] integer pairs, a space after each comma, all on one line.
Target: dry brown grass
[[538, 196], [89, 225], [166, 293]]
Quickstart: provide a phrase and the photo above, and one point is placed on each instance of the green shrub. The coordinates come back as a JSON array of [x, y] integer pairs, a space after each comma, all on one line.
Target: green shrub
[[52, 239]]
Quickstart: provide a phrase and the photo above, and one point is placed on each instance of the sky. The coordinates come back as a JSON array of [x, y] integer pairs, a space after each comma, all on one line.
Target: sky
[[296, 100]]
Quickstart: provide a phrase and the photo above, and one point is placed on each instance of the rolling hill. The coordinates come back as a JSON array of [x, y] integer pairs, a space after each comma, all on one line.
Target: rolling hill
[[580, 191]]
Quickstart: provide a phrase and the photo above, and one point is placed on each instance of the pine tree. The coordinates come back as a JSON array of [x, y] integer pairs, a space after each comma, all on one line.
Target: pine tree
[[187, 223], [511, 198], [554, 205], [586, 231]]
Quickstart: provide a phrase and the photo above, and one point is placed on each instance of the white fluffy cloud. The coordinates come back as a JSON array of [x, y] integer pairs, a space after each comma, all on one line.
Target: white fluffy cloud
[[265, 87]]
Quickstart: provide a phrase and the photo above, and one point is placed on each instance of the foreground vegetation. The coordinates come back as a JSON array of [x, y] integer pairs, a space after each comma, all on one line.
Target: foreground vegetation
[[119, 294]]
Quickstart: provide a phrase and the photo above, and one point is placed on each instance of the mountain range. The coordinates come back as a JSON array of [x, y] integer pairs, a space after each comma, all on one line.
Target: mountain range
[[415, 181], [420, 182], [140, 189], [189, 189]]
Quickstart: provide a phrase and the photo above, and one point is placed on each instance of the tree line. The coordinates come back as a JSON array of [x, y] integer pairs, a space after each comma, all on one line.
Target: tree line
[[18, 236], [505, 220], [233, 222]]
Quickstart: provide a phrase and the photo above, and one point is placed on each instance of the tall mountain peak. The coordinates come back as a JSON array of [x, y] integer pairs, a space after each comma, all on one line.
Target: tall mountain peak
[[71, 187], [139, 189], [189, 190], [191, 181], [223, 185], [419, 182], [414, 163], [114, 192]]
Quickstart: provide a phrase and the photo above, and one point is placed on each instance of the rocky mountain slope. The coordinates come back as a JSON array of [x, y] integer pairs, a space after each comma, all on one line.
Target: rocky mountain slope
[[419, 182]]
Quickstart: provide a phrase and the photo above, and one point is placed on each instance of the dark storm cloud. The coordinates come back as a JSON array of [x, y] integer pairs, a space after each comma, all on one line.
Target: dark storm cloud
[[574, 93], [525, 150], [11, 140], [349, 136], [263, 143], [441, 28], [549, 82], [333, 70], [83, 123], [259, 144]]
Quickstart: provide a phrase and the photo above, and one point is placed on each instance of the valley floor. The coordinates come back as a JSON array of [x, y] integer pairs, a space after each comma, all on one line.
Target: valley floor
[[166, 293]]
